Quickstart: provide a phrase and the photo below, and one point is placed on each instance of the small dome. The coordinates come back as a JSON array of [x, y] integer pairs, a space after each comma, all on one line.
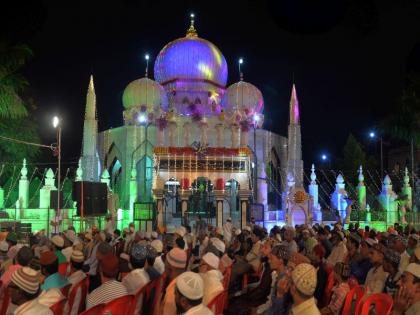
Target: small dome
[[243, 96], [191, 58], [146, 92]]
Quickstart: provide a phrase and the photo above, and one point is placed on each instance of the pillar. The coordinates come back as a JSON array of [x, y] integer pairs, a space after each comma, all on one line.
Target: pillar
[[133, 191], [204, 132], [45, 191], [187, 134], [219, 135], [1, 197], [160, 136], [407, 190], [368, 215], [185, 194], [361, 190], [220, 195], [387, 200], [244, 196], [159, 195], [79, 172], [313, 192], [23, 186], [338, 197], [234, 136], [244, 138], [172, 134]]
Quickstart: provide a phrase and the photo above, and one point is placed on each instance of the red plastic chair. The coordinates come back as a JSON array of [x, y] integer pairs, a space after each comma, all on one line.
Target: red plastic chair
[[254, 275], [58, 308], [121, 305], [62, 268], [217, 305], [96, 310], [6, 300], [356, 295], [84, 286], [382, 303], [140, 298]]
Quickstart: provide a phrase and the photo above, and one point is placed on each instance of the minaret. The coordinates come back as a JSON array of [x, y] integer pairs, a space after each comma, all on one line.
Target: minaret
[[294, 144], [89, 157]]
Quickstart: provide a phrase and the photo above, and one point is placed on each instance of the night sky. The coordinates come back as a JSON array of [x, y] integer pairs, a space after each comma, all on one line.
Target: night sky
[[349, 59]]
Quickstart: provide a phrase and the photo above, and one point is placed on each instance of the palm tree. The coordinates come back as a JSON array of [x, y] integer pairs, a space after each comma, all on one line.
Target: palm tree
[[12, 58]]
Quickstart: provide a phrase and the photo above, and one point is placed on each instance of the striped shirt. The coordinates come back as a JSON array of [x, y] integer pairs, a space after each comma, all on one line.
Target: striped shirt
[[107, 292]]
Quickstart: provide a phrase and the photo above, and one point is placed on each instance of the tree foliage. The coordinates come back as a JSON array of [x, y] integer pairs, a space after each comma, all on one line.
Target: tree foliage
[[12, 83]]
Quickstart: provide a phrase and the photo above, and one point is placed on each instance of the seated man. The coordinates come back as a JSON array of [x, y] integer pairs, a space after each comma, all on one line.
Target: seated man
[[56, 246], [110, 288], [76, 275], [212, 277], [22, 259], [24, 290], [159, 265], [138, 277], [407, 299], [49, 268], [189, 292], [150, 261]]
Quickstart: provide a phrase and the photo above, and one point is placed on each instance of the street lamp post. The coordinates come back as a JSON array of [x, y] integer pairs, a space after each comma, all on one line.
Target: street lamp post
[[56, 125], [372, 135]]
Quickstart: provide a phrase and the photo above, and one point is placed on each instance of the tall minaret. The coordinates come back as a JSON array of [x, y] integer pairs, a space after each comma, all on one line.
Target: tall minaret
[[89, 157], [294, 147]]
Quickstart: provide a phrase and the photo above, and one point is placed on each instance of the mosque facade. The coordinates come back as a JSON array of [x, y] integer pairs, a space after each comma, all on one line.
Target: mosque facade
[[190, 144]]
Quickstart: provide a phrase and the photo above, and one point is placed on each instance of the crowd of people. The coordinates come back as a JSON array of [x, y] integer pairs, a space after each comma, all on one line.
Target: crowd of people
[[302, 270]]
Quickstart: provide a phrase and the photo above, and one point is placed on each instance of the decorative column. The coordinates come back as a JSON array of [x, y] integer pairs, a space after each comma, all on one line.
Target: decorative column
[[219, 135], [235, 136], [204, 132], [184, 194], [313, 192], [407, 191], [79, 172], [158, 194], [1, 197], [133, 191], [244, 136], [23, 186], [338, 197], [219, 193], [262, 194], [244, 196], [187, 134], [172, 134], [361, 190], [45, 192], [105, 178], [387, 199], [160, 136], [368, 215]]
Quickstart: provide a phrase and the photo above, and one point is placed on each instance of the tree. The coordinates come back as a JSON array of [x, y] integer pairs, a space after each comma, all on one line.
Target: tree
[[12, 83]]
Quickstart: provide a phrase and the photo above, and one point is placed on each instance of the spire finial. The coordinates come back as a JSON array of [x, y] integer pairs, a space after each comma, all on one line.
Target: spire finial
[[294, 107], [313, 175], [241, 75], [146, 57], [91, 85], [191, 31]]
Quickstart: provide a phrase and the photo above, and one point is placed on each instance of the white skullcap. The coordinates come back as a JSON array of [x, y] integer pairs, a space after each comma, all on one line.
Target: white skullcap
[[371, 241], [393, 232], [57, 241], [229, 219], [102, 236], [238, 232], [247, 228], [4, 246], [157, 245], [414, 269], [148, 235], [154, 234], [212, 260], [415, 237], [304, 278], [70, 235], [170, 229], [190, 285], [220, 246], [180, 231]]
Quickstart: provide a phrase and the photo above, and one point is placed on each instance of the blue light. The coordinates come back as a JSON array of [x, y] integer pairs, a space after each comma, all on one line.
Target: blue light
[[372, 134], [324, 157]]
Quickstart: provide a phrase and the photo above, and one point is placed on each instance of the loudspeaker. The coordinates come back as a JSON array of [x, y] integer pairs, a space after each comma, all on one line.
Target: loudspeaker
[[53, 199], [94, 198]]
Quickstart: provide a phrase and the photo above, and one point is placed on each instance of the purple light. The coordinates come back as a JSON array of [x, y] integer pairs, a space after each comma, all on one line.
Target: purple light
[[191, 58]]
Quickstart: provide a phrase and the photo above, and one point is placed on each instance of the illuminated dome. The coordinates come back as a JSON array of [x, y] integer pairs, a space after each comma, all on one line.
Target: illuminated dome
[[243, 96], [193, 58], [145, 92]]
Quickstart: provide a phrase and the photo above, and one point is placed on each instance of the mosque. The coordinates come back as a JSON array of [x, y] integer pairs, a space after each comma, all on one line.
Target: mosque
[[190, 144]]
